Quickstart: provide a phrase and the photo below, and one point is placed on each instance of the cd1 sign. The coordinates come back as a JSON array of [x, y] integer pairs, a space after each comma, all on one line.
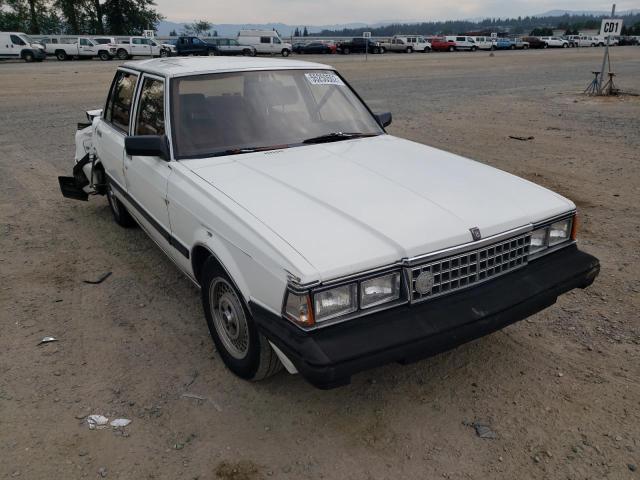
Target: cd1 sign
[[610, 27]]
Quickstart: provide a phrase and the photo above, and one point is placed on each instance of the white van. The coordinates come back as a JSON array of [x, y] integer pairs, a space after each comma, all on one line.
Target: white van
[[20, 45], [463, 42], [265, 41], [484, 43]]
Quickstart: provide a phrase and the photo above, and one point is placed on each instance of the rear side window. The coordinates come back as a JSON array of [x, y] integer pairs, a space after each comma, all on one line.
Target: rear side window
[[151, 108], [265, 39], [120, 98]]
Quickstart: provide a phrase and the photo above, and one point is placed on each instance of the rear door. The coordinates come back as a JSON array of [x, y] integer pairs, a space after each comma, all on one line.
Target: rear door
[[147, 177], [114, 126]]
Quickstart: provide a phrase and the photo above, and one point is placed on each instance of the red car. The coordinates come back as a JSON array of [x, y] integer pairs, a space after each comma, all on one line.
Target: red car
[[443, 45]]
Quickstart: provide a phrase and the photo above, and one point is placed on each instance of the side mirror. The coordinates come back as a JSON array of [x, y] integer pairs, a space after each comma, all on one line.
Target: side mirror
[[147, 146], [384, 119]]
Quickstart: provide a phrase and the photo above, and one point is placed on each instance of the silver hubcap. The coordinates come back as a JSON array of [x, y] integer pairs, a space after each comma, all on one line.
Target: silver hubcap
[[229, 319]]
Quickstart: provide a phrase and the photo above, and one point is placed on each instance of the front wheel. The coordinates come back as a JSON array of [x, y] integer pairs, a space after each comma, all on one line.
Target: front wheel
[[123, 54], [28, 57], [409, 49], [452, 49], [120, 213], [243, 349], [164, 53], [104, 56], [564, 45], [346, 51], [427, 50], [473, 49], [285, 52]]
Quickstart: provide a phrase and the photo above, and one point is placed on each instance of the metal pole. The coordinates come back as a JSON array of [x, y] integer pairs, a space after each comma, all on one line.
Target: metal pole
[[606, 54]]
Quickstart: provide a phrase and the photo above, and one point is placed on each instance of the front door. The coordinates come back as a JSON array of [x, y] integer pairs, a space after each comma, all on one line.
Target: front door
[[147, 177]]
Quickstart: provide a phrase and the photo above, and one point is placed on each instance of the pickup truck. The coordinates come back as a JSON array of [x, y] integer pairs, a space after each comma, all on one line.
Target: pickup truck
[[511, 44], [276, 191], [406, 44], [78, 48], [555, 42], [141, 46], [359, 45], [194, 46]]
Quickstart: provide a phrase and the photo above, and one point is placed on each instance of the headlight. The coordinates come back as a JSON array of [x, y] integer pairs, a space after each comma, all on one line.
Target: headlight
[[552, 235], [380, 290], [335, 302]]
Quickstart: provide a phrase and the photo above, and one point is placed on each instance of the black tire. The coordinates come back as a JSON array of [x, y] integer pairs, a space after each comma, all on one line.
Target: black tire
[[593, 44], [62, 55], [409, 49], [512, 47], [382, 50], [452, 49], [546, 45], [525, 47], [28, 57], [493, 47], [246, 52], [120, 213], [426, 50], [285, 52], [122, 54], [244, 350], [346, 51], [164, 53], [564, 45], [104, 55]]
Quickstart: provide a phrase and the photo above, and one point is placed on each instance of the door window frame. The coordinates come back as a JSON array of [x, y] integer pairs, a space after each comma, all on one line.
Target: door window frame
[[167, 117], [131, 110]]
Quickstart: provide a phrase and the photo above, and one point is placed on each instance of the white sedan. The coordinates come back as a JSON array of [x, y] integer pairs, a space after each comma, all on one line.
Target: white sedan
[[319, 241]]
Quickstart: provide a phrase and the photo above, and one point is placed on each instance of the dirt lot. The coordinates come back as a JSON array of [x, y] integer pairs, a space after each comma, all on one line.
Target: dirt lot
[[561, 390]]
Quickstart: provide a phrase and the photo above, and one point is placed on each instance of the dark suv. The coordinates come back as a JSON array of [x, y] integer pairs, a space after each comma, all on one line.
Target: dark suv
[[359, 45], [194, 46]]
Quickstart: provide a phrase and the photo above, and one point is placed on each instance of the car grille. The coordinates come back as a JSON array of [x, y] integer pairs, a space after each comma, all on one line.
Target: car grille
[[470, 268]]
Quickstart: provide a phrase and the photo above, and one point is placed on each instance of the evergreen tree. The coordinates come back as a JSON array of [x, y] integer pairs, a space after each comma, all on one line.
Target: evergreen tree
[[305, 32]]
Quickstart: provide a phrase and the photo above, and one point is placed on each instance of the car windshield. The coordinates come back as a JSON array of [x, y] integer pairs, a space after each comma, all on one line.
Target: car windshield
[[228, 113], [27, 38]]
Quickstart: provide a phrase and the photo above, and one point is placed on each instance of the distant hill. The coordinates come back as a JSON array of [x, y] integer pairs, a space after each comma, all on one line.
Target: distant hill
[[595, 13], [232, 29]]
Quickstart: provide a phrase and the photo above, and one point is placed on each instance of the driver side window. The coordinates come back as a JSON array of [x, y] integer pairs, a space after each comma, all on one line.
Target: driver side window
[[118, 108]]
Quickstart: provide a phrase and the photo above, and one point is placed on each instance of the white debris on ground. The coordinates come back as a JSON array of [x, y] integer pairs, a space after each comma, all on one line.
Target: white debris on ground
[[120, 422], [96, 421]]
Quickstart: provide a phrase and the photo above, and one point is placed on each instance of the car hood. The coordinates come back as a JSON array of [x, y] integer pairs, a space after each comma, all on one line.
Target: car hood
[[357, 204]]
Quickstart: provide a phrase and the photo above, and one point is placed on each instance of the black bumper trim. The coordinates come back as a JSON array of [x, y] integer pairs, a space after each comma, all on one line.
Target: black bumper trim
[[328, 357]]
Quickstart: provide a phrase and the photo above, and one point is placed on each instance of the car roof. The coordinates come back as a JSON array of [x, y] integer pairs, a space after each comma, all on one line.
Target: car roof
[[181, 66]]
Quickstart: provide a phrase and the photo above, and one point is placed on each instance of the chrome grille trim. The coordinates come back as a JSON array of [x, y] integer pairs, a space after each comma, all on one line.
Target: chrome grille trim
[[457, 272]]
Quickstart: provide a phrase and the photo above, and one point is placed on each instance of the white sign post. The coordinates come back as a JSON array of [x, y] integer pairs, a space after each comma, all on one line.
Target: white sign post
[[148, 33], [366, 36], [609, 27]]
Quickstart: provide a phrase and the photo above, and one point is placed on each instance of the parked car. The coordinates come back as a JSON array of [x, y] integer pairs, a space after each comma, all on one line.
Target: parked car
[[22, 46], [464, 42], [521, 44], [359, 45], [535, 42], [586, 41], [555, 42], [624, 41], [504, 43], [265, 41], [439, 44], [602, 40], [231, 46], [314, 47], [79, 48], [141, 47], [572, 39], [187, 45], [484, 43], [350, 284], [406, 44]]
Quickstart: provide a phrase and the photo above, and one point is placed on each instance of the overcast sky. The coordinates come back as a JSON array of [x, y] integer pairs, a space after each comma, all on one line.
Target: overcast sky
[[319, 12]]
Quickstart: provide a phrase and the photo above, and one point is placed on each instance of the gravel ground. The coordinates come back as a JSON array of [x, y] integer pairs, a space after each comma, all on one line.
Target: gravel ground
[[560, 391]]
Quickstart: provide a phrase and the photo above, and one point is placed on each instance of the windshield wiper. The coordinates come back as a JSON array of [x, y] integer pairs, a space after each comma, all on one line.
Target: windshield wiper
[[238, 151], [337, 136]]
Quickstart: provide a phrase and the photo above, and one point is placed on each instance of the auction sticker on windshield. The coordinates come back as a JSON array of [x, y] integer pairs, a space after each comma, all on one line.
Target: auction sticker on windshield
[[324, 78]]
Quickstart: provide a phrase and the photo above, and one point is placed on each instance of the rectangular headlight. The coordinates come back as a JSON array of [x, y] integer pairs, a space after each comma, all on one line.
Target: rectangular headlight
[[559, 232], [380, 290], [538, 240], [335, 302]]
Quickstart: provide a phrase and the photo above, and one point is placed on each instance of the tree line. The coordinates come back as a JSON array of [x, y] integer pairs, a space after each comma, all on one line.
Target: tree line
[[518, 26], [78, 17]]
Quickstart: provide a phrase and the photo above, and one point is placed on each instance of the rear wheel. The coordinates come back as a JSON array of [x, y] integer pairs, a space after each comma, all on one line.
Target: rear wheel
[[512, 47], [243, 349], [122, 54], [120, 213], [452, 49], [346, 51], [427, 50], [61, 55], [473, 49], [409, 49]]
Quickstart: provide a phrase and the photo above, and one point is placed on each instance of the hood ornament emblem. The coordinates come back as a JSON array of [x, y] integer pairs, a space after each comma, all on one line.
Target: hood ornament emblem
[[424, 283], [475, 233]]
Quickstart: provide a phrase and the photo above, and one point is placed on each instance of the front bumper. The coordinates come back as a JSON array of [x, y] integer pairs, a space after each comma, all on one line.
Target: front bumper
[[328, 357]]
